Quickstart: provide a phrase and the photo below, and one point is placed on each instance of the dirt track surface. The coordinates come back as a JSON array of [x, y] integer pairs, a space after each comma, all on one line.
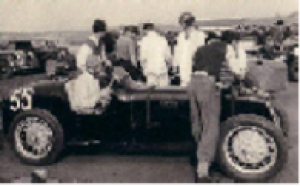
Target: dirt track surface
[[85, 165]]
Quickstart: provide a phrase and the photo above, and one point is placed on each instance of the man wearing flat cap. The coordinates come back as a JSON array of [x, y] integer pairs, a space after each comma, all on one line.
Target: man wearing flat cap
[[155, 56]]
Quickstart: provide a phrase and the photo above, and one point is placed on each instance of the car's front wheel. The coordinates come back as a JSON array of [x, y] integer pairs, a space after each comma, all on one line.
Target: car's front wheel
[[252, 149], [36, 137]]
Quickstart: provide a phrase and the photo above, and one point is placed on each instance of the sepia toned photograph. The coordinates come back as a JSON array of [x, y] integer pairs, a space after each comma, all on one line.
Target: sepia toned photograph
[[149, 91]]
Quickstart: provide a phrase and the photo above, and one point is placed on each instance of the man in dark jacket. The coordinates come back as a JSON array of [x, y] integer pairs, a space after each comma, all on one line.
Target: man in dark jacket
[[212, 65]]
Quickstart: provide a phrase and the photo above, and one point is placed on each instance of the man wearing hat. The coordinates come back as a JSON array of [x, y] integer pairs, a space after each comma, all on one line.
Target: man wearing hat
[[278, 34], [84, 90], [155, 55], [187, 43]]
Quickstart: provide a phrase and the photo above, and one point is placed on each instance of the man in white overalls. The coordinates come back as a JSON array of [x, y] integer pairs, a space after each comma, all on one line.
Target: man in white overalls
[[187, 43], [84, 91], [155, 55]]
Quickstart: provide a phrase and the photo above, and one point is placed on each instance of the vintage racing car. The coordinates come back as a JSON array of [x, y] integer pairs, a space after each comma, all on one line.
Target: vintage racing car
[[39, 123]]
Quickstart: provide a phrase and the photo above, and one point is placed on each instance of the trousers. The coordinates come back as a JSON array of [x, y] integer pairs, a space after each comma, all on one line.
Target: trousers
[[205, 116]]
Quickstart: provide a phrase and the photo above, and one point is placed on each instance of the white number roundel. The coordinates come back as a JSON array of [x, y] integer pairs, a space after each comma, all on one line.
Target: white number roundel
[[21, 99]]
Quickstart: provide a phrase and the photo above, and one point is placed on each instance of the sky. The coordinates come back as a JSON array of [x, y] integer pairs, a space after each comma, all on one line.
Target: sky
[[78, 15]]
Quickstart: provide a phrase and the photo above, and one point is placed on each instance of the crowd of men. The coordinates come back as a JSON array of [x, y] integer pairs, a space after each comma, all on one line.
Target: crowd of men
[[203, 64], [272, 40]]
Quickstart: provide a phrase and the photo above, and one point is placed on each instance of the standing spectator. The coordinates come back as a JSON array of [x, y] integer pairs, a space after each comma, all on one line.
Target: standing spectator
[[278, 34], [136, 36], [187, 43], [126, 49], [155, 56], [171, 38], [215, 63]]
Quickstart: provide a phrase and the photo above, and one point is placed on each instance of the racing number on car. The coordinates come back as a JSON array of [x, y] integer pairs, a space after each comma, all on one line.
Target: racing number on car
[[21, 100]]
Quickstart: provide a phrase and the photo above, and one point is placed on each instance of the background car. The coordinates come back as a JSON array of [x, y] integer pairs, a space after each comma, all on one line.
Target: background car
[[37, 55]]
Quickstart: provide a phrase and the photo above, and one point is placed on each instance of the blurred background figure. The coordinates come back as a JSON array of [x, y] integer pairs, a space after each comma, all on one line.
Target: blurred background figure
[[172, 40], [278, 34], [127, 52]]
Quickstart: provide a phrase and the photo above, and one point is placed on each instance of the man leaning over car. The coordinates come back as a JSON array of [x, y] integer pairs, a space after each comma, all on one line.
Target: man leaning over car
[[217, 63]]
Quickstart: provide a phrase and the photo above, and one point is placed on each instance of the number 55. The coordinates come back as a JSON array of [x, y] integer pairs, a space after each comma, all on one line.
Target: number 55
[[21, 99]]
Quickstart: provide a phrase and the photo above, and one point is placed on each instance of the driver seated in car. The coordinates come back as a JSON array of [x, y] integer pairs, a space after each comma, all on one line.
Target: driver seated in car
[[84, 89], [155, 55]]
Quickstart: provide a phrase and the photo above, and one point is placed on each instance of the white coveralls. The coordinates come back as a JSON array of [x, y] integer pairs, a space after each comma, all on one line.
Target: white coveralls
[[84, 91], [154, 55], [237, 59], [184, 53]]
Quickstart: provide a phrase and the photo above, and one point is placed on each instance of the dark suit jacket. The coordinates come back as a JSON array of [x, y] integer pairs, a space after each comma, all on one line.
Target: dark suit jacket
[[210, 58]]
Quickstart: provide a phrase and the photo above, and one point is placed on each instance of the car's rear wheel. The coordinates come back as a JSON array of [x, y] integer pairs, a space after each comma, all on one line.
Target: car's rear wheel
[[252, 149], [36, 137]]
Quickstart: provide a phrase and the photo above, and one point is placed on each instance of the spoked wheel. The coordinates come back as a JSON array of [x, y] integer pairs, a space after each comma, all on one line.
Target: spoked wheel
[[251, 148], [255, 155], [36, 137]]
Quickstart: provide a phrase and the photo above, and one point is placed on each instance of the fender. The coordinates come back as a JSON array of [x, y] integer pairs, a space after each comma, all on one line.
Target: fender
[[254, 104]]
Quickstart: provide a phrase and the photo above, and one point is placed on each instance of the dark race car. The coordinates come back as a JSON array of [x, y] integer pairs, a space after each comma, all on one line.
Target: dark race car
[[40, 124]]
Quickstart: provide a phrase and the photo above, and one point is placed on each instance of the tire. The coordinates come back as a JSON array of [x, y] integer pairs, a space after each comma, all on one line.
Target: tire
[[56, 139], [284, 119], [255, 125]]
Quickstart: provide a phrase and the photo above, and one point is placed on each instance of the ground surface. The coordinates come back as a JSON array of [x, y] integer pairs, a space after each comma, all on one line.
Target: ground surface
[[85, 165]]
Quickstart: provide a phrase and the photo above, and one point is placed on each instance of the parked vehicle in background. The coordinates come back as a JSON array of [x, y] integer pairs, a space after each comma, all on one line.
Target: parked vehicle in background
[[36, 54], [16, 59]]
